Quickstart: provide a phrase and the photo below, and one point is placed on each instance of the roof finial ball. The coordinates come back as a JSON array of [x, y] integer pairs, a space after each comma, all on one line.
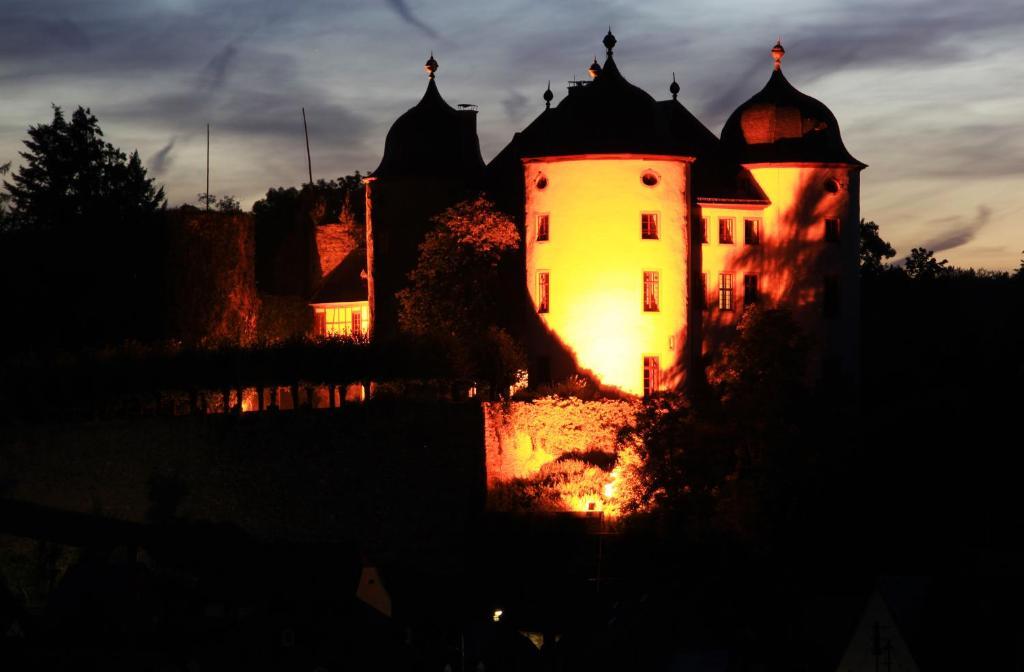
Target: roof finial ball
[[673, 88], [431, 65], [777, 53], [548, 96], [609, 41]]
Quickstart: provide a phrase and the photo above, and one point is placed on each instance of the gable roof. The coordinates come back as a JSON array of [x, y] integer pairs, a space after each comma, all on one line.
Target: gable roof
[[347, 282]]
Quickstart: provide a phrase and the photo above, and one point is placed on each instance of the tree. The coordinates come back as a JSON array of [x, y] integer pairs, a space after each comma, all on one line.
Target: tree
[[81, 240], [922, 265], [873, 250], [452, 293], [71, 177]]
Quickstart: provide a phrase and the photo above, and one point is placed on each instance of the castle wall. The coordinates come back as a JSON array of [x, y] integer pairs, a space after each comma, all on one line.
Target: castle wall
[[596, 258]]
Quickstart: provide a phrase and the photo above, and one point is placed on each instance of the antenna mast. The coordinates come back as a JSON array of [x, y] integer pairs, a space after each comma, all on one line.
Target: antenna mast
[[309, 161]]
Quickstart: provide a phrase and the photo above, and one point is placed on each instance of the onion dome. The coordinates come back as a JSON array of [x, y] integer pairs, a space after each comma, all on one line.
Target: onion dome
[[594, 69], [781, 125], [432, 139]]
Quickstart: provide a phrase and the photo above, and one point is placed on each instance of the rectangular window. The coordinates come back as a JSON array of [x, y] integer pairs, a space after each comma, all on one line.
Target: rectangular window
[[725, 225], [649, 226], [542, 227], [357, 323], [320, 322], [725, 290], [750, 293], [652, 375], [831, 230], [651, 291], [830, 298], [752, 231], [703, 299], [703, 229], [543, 291]]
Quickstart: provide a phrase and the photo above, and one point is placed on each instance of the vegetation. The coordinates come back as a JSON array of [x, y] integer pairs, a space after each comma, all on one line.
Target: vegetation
[[452, 290]]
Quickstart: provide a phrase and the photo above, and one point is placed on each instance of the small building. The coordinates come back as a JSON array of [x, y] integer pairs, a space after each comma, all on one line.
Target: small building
[[341, 306]]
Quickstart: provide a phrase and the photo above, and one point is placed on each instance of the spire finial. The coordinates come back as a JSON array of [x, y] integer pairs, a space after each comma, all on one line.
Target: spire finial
[[609, 41], [548, 96], [594, 69], [673, 88], [431, 65], [777, 53]]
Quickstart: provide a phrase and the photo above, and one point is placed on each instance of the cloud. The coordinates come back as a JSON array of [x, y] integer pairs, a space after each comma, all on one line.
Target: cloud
[[402, 9], [159, 162], [215, 73], [960, 232], [515, 105]]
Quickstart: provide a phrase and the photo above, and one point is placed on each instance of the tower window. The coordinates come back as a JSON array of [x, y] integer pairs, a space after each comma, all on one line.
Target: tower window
[[725, 226], [725, 290], [750, 293], [542, 228], [830, 298], [832, 230], [650, 291], [703, 229], [752, 231], [652, 375], [543, 291], [649, 226]]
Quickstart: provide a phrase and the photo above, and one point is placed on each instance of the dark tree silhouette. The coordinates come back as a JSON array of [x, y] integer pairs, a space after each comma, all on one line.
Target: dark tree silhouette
[[922, 265], [71, 177], [451, 290], [873, 250]]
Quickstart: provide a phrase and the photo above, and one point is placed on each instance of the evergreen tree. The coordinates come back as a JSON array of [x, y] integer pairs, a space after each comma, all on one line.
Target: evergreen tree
[[71, 177]]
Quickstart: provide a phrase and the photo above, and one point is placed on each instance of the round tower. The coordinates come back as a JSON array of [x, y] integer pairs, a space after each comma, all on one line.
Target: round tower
[[431, 161], [809, 237], [607, 210]]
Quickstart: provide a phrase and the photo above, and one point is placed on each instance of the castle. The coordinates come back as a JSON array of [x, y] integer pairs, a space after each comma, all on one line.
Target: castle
[[644, 235]]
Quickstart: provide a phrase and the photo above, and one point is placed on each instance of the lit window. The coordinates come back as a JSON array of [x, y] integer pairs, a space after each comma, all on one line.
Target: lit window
[[542, 227], [649, 226], [703, 229], [725, 225], [357, 323], [752, 231], [750, 293], [830, 300], [340, 321], [725, 290], [832, 230], [543, 291], [650, 291], [320, 322], [652, 375]]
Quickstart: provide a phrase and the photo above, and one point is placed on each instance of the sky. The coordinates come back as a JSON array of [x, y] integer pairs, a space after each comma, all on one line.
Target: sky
[[928, 93]]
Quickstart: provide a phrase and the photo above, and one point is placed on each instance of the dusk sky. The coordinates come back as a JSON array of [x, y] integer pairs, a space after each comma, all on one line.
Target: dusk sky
[[930, 94]]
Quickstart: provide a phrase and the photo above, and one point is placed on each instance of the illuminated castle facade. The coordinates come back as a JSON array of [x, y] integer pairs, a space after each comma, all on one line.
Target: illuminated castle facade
[[645, 235]]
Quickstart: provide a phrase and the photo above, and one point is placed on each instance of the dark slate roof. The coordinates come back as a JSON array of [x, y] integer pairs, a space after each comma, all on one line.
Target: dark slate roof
[[432, 139], [607, 116], [715, 176], [347, 282], [781, 125]]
